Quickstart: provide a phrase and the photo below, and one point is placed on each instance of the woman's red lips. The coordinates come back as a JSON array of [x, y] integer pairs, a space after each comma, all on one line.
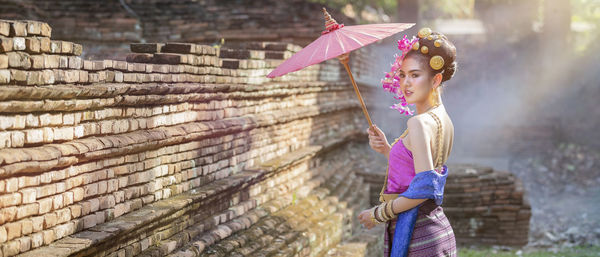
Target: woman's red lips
[[408, 93]]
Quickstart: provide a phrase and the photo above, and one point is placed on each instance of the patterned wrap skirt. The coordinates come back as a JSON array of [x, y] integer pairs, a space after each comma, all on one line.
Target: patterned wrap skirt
[[432, 234]]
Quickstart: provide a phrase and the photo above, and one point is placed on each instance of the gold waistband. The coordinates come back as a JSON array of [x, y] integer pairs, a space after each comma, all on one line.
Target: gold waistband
[[387, 197]]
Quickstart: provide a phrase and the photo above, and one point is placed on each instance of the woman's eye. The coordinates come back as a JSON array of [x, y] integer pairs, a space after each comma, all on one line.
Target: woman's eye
[[402, 75], [415, 75]]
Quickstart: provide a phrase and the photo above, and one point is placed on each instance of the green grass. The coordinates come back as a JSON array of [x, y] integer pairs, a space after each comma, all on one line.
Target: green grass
[[578, 251]]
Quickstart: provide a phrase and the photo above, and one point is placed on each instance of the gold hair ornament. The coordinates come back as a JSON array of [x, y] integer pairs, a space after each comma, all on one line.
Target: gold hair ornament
[[424, 32], [436, 62]]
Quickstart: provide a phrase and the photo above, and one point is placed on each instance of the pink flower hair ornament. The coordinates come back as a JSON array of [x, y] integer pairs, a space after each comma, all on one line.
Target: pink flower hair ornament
[[391, 82]]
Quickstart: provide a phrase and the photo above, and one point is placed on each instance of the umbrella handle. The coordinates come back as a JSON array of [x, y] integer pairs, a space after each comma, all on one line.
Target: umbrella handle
[[344, 59]]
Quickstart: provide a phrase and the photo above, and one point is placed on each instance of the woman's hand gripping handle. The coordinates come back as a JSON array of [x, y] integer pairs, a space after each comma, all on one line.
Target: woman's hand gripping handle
[[378, 141]]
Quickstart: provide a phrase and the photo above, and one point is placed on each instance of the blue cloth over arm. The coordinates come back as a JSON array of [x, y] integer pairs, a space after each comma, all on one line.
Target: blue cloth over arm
[[425, 185]]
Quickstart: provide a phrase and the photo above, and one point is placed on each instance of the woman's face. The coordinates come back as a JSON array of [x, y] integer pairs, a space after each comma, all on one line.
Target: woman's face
[[415, 82]]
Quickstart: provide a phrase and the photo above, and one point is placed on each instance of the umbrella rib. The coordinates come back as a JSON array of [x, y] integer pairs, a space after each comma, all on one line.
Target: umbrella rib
[[355, 40], [340, 42], [308, 60], [365, 33]]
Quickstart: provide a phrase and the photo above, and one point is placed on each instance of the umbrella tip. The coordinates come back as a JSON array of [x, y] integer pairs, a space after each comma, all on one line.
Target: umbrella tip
[[329, 21]]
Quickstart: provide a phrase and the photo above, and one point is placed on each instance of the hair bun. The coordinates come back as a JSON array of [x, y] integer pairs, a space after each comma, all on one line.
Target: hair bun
[[440, 52], [449, 71]]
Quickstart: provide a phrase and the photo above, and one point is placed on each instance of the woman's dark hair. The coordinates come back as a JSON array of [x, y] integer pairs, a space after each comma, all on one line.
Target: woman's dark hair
[[446, 50]]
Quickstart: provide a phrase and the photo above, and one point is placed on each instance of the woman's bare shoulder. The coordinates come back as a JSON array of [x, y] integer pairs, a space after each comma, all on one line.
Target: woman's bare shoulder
[[421, 122]]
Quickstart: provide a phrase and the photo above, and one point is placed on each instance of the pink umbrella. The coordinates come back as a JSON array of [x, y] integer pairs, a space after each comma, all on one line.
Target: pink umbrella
[[338, 41]]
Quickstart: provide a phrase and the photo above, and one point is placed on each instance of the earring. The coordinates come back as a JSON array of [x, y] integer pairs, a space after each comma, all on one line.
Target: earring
[[435, 96]]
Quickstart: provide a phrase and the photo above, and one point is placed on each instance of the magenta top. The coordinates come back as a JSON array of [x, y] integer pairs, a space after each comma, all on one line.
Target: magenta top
[[401, 168]]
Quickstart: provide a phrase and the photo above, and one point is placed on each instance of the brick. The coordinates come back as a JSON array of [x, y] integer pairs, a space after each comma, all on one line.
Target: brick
[[6, 45], [51, 61], [121, 209], [68, 198], [64, 230], [4, 76], [37, 61], [66, 47], [75, 211], [27, 210], [17, 138], [10, 248], [77, 49], [19, 44], [48, 236], [4, 28], [10, 200], [55, 46], [45, 30], [33, 136], [63, 61], [12, 185], [34, 78], [3, 61], [34, 28], [90, 190], [57, 202], [72, 76], [83, 76], [107, 202], [24, 244], [46, 190], [18, 76], [37, 240], [26, 226], [47, 77], [63, 133], [3, 234], [13, 230], [61, 187], [63, 215], [50, 220], [18, 60], [78, 194], [18, 29], [75, 62], [89, 221], [139, 58], [168, 58], [37, 223], [102, 187], [8, 214], [28, 195], [32, 45], [45, 45], [146, 47], [100, 217]]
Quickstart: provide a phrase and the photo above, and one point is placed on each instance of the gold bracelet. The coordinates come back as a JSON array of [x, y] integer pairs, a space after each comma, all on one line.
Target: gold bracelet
[[380, 212], [384, 211], [378, 216], [390, 209], [375, 220]]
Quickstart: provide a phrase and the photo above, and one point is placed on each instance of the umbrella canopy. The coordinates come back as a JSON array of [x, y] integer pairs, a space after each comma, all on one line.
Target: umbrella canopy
[[337, 40]]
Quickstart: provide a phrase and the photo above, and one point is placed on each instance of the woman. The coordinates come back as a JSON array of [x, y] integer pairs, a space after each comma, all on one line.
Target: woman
[[413, 190]]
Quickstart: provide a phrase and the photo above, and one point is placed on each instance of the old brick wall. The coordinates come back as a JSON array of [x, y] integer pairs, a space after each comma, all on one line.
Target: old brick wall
[[182, 149], [105, 28]]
